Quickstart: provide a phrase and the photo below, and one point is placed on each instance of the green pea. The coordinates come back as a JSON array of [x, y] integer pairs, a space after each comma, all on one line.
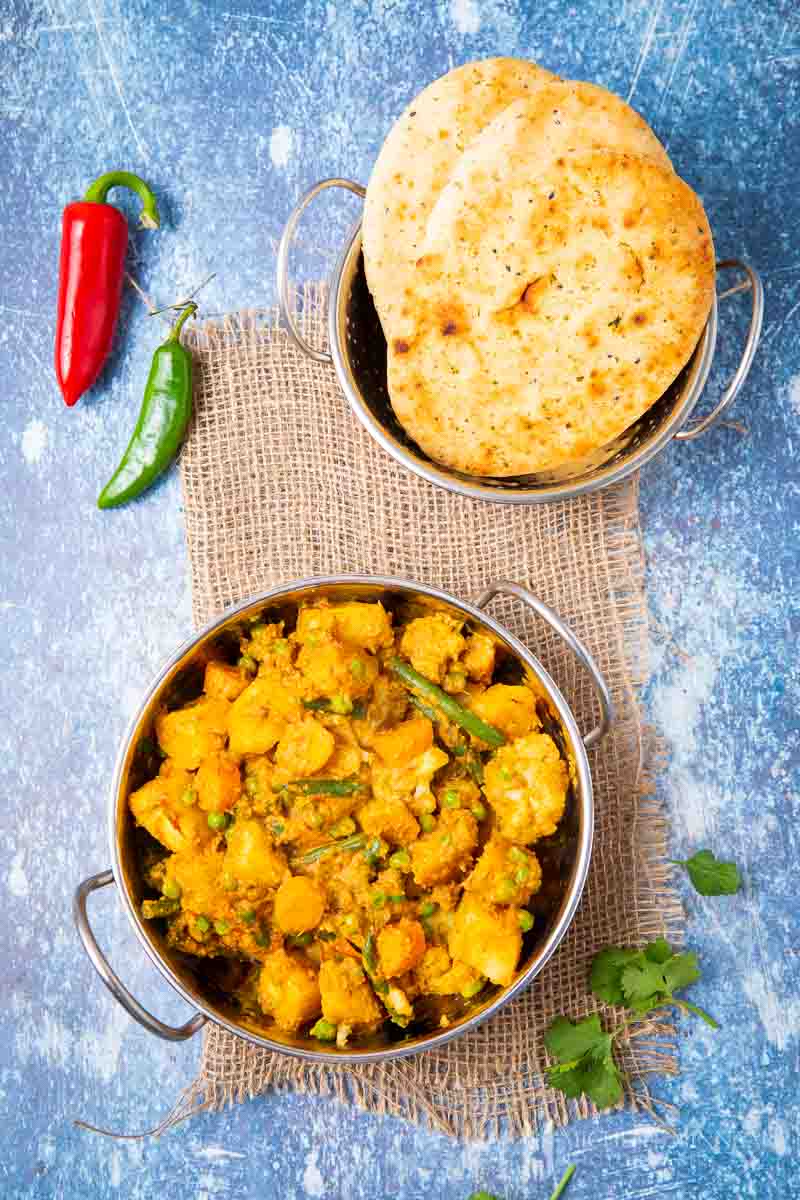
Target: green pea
[[203, 924], [428, 908], [326, 935], [525, 920], [478, 811], [251, 785], [217, 820], [400, 859], [301, 939], [247, 915], [343, 828], [452, 800], [324, 1030], [397, 898], [171, 889], [341, 705], [221, 927], [228, 882], [506, 890], [278, 828], [521, 874], [280, 646], [379, 899], [472, 989], [188, 797], [261, 939], [446, 840], [257, 627], [427, 822], [247, 663], [518, 856], [357, 668], [505, 774], [373, 851]]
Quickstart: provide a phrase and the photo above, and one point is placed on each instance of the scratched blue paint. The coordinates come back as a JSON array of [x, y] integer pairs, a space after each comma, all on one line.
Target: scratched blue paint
[[230, 110]]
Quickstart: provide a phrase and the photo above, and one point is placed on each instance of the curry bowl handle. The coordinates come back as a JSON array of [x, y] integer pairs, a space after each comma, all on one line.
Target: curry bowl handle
[[752, 284], [109, 977], [321, 356], [581, 652]]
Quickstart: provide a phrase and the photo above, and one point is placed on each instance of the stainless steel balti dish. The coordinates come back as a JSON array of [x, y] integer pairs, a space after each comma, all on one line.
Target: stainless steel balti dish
[[358, 354], [181, 679]]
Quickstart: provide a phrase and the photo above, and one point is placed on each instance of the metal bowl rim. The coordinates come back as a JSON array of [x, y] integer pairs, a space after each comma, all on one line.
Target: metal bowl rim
[[585, 802], [439, 476]]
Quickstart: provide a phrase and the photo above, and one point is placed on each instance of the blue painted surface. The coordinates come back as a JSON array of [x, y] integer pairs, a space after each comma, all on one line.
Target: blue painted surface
[[230, 109]]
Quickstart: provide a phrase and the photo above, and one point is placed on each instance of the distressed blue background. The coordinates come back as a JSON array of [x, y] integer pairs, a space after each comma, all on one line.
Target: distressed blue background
[[231, 109]]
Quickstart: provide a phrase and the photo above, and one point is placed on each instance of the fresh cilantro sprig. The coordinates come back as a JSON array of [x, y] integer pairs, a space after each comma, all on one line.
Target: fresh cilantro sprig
[[639, 980], [710, 876]]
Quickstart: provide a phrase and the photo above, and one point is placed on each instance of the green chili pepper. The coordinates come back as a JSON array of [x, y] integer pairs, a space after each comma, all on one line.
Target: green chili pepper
[[351, 843], [456, 712], [159, 908], [326, 787], [162, 422]]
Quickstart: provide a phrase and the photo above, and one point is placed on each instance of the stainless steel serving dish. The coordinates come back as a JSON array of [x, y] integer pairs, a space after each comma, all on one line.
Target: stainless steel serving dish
[[358, 354], [180, 679]]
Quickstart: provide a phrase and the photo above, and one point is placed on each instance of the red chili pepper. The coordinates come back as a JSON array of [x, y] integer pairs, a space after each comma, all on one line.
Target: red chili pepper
[[94, 238]]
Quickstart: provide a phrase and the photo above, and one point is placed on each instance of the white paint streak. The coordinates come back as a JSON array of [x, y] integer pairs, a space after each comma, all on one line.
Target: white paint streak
[[644, 50], [17, 879], [280, 146], [217, 1153], [779, 1015], [465, 16], [34, 441], [112, 68], [794, 394], [777, 1135], [313, 1183]]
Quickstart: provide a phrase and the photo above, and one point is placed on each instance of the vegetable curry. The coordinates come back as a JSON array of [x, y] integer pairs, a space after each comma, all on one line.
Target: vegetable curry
[[350, 813]]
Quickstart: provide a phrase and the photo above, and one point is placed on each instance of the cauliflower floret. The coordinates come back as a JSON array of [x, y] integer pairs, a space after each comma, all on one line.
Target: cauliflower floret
[[486, 938], [390, 819], [332, 669], [438, 975], [526, 785], [433, 644], [445, 853], [358, 624], [505, 873], [288, 989], [187, 735], [478, 660], [411, 782], [303, 749], [511, 708], [347, 998]]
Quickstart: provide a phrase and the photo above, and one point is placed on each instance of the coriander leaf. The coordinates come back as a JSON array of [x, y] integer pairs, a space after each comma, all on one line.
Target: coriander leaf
[[569, 1041], [643, 983], [658, 951], [606, 977], [680, 971], [710, 876], [597, 1078]]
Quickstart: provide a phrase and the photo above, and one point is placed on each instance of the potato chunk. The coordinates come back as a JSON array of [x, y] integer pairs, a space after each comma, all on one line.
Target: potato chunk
[[251, 857], [445, 853], [526, 785], [401, 945], [440, 976], [390, 819], [333, 669], [304, 748], [406, 741], [511, 708], [433, 644], [223, 682], [358, 624], [505, 873], [288, 990], [218, 783], [299, 904], [486, 938], [159, 807], [198, 875], [260, 715], [187, 735], [347, 998]]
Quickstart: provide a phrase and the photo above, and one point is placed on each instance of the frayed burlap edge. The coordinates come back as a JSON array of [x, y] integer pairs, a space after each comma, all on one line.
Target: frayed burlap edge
[[395, 1088]]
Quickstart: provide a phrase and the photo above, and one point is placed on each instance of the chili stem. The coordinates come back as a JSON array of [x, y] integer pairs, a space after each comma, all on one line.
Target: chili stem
[[175, 332], [565, 1178], [697, 1010], [98, 191]]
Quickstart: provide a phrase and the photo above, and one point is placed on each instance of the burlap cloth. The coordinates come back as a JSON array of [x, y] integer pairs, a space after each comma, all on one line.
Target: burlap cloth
[[280, 481]]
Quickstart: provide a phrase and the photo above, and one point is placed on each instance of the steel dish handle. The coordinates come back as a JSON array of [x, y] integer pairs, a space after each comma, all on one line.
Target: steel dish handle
[[505, 587], [753, 284], [320, 356], [108, 976]]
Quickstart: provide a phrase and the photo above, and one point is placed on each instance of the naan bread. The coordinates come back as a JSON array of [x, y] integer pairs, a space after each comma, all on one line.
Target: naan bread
[[418, 158], [554, 303]]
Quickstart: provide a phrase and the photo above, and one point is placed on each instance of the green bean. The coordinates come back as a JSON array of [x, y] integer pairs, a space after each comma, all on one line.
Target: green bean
[[428, 908], [456, 712], [344, 844], [378, 900], [475, 767], [321, 705], [327, 787], [300, 939], [159, 908], [356, 709], [425, 709]]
